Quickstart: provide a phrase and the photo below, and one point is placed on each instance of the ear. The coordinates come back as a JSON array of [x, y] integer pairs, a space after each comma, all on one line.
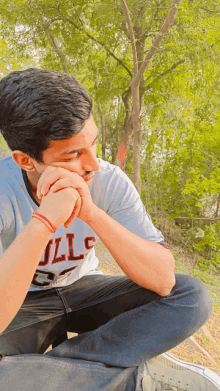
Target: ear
[[23, 160]]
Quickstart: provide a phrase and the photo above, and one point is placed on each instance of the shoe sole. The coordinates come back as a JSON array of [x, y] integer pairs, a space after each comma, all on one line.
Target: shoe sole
[[181, 375]]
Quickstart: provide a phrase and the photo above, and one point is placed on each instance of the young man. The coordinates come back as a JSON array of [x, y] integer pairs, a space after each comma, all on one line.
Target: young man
[[50, 282]]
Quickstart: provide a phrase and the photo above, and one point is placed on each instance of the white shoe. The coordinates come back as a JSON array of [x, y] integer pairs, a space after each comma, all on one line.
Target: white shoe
[[171, 374]]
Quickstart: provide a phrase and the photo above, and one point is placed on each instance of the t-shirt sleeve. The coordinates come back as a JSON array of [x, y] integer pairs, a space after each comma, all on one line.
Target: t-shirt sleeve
[[123, 203], [6, 219]]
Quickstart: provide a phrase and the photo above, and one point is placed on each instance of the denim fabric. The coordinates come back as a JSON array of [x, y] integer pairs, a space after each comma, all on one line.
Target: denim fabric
[[119, 324]]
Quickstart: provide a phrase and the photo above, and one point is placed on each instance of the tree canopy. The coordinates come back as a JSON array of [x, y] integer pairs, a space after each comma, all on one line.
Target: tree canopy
[[178, 144]]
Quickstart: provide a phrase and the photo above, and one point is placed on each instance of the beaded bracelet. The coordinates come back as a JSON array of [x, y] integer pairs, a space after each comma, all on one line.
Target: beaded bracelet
[[44, 220]]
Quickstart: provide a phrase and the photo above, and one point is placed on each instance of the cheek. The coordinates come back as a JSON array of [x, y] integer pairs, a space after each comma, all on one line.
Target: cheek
[[40, 168], [70, 166]]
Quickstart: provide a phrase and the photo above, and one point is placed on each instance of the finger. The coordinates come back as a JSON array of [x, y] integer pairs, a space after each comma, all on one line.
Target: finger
[[75, 212], [61, 184], [46, 188], [61, 180], [80, 185], [44, 175], [78, 180], [50, 180], [51, 175]]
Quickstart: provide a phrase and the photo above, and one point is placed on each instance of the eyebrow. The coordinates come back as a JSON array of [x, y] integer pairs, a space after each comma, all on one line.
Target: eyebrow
[[77, 150]]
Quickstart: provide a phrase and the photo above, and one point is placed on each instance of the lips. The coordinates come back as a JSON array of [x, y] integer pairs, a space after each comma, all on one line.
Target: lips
[[88, 177]]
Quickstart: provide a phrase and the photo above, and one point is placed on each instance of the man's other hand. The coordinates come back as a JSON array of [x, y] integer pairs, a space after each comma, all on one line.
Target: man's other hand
[[56, 178]]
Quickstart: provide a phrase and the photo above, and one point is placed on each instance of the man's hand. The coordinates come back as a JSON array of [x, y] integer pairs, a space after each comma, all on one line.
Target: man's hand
[[57, 178], [61, 208]]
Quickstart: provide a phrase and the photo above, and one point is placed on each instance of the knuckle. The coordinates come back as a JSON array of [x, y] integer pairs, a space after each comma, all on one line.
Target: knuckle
[[71, 191], [49, 168]]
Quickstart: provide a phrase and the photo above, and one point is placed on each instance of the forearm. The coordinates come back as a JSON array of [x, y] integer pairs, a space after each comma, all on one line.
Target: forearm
[[18, 265], [148, 264]]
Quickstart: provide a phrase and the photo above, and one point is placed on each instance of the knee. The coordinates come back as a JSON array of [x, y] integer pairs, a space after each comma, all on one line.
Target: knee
[[196, 296]]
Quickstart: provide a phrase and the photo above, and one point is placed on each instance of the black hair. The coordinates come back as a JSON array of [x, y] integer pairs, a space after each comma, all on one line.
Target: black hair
[[38, 106]]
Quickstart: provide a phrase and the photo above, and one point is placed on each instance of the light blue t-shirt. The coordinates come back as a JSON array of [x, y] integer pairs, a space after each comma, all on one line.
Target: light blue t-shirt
[[70, 254]]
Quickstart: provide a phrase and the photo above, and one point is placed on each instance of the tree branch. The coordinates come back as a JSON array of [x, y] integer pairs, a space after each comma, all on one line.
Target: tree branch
[[132, 37], [117, 75], [209, 11], [197, 218], [169, 70], [168, 22], [149, 29], [83, 30], [176, 64], [58, 51]]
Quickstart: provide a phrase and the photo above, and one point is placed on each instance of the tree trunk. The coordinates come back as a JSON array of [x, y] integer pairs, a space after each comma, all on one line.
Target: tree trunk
[[217, 206], [137, 94], [124, 143], [126, 132], [56, 48], [137, 135], [139, 69], [114, 155]]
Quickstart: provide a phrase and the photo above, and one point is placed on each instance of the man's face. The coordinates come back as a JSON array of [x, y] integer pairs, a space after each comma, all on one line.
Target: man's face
[[77, 154]]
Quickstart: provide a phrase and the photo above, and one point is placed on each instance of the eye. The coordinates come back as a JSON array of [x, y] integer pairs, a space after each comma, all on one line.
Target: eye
[[73, 158], [78, 153], [70, 160]]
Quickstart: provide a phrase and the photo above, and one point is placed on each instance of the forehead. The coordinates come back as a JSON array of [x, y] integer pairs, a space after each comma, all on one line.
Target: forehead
[[82, 140]]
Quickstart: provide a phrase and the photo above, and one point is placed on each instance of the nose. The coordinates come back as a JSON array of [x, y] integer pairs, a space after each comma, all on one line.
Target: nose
[[89, 161]]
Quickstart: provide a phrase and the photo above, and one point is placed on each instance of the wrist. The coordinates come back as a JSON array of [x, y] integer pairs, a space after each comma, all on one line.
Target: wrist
[[44, 220], [93, 215], [40, 227], [48, 216]]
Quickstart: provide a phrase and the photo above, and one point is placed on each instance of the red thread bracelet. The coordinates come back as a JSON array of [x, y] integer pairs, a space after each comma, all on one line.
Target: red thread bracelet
[[44, 220]]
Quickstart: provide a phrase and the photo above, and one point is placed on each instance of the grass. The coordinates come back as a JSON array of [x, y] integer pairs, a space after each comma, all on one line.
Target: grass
[[187, 351], [185, 263]]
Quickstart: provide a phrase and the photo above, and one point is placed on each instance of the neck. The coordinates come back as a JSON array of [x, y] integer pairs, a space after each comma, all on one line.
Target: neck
[[33, 178]]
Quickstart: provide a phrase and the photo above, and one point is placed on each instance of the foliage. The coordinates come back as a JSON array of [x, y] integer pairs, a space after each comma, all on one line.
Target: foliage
[[209, 248], [180, 99]]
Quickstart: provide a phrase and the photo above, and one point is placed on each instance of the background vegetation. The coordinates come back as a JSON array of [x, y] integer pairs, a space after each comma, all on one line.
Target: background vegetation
[[178, 92]]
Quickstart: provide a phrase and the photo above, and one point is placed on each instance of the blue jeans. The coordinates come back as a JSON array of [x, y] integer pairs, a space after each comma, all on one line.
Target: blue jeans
[[119, 324]]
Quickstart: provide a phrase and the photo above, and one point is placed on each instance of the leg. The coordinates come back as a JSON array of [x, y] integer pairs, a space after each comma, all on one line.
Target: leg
[[45, 316], [59, 340], [135, 324], [144, 330], [40, 320]]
